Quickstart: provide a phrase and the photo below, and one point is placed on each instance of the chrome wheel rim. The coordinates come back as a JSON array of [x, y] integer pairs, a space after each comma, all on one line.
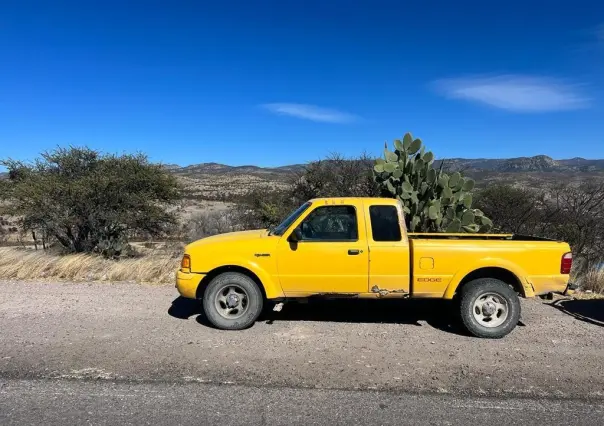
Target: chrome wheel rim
[[490, 310], [231, 301]]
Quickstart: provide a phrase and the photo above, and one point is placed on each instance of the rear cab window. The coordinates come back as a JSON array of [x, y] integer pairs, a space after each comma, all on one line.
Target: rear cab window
[[385, 225]]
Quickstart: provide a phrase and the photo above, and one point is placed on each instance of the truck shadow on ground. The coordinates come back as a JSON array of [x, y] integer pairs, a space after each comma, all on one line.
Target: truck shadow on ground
[[591, 311], [436, 313]]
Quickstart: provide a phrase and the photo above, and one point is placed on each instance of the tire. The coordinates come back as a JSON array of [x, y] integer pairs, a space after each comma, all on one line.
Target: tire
[[489, 308], [232, 301]]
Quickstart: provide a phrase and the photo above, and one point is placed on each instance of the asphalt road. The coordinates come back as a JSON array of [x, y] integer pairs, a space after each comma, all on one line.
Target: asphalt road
[[132, 354], [104, 403]]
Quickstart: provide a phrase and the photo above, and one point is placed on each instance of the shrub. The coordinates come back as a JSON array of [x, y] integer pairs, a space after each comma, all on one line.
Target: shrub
[[262, 208], [205, 224], [88, 201], [334, 176], [574, 214], [571, 213], [593, 280], [512, 209]]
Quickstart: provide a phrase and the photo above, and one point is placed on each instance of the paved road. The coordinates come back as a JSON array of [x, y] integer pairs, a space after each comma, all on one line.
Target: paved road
[[106, 349], [65, 402]]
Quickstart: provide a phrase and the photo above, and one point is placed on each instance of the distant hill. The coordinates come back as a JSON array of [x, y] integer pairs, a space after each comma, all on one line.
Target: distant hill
[[215, 181], [539, 163], [220, 169], [222, 182]]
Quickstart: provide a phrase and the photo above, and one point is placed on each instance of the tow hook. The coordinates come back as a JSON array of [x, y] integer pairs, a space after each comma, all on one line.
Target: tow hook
[[571, 287]]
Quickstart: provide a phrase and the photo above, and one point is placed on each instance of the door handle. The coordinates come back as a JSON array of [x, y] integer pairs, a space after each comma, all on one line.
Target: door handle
[[354, 252]]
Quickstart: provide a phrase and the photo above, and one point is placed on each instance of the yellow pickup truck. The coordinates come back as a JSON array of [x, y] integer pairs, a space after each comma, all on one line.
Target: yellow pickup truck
[[359, 247]]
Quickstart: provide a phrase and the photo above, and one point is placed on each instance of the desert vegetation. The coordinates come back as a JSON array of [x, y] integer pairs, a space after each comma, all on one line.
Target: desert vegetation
[[433, 200], [20, 264], [105, 217], [86, 202], [568, 212]]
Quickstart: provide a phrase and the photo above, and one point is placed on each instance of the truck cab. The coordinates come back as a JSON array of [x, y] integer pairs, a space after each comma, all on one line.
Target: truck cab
[[359, 247], [332, 250]]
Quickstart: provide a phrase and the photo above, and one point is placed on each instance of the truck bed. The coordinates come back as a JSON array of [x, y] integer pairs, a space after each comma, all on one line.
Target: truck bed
[[465, 236], [439, 259]]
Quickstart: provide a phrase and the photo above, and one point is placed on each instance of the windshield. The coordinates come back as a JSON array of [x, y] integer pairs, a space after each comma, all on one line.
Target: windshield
[[282, 227]]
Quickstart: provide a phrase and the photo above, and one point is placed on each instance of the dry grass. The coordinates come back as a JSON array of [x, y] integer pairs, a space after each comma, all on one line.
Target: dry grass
[[593, 280], [580, 295], [22, 264]]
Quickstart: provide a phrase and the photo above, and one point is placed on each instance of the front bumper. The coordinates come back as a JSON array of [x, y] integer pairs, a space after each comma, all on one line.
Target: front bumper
[[187, 283]]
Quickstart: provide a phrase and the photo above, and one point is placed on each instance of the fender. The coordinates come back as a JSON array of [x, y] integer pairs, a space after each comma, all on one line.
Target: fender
[[272, 288], [490, 262]]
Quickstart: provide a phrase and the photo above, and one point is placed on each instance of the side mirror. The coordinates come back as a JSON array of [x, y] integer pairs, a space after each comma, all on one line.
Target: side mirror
[[295, 236]]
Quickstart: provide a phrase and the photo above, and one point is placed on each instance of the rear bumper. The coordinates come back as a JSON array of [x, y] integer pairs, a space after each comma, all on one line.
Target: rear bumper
[[545, 284], [187, 283]]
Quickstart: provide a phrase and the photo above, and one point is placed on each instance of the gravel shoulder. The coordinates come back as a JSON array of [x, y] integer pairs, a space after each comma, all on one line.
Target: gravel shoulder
[[135, 333]]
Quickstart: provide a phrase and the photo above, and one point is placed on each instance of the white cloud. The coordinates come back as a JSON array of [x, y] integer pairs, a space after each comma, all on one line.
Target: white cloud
[[516, 93], [310, 112]]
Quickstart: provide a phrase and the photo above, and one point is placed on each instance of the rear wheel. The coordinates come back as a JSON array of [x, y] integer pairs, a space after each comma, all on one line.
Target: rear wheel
[[232, 301], [489, 308]]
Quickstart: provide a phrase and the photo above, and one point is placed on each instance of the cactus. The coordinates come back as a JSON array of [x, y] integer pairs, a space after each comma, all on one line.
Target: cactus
[[433, 201], [113, 247]]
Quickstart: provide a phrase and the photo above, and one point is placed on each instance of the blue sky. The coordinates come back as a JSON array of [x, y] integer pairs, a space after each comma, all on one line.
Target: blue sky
[[281, 82]]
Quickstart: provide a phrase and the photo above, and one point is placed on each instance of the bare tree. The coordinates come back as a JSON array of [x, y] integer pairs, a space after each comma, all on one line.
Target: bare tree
[[576, 214], [571, 213], [512, 209], [205, 224], [336, 176]]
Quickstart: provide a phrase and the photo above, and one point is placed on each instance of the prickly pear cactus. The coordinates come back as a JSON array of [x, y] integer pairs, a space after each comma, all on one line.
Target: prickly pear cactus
[[113, 247], [433, 200]]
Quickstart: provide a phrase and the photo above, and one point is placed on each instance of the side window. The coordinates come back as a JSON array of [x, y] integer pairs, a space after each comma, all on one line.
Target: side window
[[330, 223], [384, 223]]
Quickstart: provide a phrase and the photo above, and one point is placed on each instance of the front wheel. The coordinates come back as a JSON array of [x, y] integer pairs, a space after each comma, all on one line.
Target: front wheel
[[489, 308], [232, 301]]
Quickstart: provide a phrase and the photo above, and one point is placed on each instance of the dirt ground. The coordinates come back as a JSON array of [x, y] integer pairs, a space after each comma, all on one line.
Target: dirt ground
[[146, 333]]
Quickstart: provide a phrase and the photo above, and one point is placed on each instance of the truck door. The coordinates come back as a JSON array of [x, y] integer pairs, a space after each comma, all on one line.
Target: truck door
[[389, 256], [331, 255]]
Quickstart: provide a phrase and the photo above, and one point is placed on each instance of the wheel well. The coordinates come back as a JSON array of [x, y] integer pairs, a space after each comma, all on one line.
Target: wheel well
[[201, 288], [498, 273]]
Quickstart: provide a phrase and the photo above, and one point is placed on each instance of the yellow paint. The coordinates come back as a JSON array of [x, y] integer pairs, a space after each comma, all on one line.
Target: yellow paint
[[455, 259], [543, 284], [318, 267], [426, 263], [389, 263], [380, 269], [239, 249], [186, 283]]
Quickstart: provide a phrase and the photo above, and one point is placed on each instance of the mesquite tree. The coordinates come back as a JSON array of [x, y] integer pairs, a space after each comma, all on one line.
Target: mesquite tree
[[88, 201]]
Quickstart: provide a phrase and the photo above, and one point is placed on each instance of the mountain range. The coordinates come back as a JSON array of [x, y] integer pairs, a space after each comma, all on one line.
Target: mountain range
[[539, 163], [213, 181]]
